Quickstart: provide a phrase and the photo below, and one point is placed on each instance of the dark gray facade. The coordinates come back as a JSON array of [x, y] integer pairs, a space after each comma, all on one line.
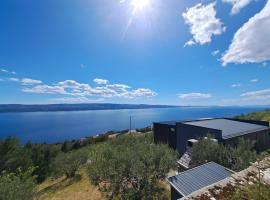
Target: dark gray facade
[[225, 130]]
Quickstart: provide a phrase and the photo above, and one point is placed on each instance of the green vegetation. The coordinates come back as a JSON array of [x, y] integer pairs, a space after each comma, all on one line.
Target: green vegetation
[[19, 185], [68, 163], [131, 167], [235, 158], [263, 115]]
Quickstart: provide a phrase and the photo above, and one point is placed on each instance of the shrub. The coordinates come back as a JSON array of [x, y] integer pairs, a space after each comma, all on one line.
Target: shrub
[[68, 163], [17, 186], [235, 158], [130, 167]]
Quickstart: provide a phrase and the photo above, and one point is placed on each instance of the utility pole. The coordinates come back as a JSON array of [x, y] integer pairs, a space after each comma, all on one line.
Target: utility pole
[[129, 124]]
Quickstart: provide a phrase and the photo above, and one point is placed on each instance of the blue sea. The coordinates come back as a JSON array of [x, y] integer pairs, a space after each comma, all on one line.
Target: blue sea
[[52, 127]]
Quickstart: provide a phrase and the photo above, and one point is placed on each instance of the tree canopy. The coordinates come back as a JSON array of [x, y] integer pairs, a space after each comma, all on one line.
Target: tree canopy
[[131, 167]]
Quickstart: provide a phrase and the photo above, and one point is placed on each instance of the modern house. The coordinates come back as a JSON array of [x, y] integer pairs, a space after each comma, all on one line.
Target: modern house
[[196, 179], [177, 134]]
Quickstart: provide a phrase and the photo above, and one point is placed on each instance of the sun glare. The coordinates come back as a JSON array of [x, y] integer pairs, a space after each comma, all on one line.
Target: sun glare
[[140, 4]]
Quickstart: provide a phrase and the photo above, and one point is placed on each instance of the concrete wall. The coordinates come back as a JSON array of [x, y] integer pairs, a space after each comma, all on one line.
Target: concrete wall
[[184, 132]]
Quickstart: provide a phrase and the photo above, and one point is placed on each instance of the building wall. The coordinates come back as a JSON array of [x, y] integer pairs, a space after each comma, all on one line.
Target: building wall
[[164, 133], [261, 138], [184, 132], [175, 194]]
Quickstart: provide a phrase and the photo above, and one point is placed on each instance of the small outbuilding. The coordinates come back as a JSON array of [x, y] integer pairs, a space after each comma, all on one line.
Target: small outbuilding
[[196, 179]]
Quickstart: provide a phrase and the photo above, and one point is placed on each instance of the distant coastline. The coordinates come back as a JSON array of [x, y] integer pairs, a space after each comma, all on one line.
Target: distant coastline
[[76, 107]]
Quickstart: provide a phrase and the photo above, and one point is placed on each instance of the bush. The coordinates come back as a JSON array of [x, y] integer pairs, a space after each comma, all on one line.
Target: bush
[[68, 163], [17, 186], [235, 158], [130, 167]]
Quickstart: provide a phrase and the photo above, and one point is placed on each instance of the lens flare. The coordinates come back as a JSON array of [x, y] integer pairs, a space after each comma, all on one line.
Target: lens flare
[[140, 4]]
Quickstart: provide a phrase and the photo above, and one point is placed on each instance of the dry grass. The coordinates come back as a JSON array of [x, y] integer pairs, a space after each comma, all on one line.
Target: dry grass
[[78, 188]]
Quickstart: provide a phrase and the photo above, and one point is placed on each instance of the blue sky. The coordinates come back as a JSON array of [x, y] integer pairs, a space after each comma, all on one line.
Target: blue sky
[[181, 52]]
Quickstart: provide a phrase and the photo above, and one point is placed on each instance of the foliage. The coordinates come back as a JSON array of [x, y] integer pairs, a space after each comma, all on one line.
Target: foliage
[[263, 115], [131, 167], [17, 186], [68, 163], [42, 156], [235, 158], [144, 130], [13, 155]]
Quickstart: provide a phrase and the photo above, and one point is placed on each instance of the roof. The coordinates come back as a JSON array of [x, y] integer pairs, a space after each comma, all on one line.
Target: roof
[[229, 128], [199, 177]]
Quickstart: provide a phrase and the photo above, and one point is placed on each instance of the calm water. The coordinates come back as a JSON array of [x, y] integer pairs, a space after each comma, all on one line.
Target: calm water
[[53, 127]]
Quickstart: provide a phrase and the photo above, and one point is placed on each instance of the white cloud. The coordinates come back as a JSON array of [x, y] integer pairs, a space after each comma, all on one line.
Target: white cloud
[[237, 5], [189, 43], [254, 80], [29, 81], [7, 71], [195, 95], [14, 79], [45, 89], [4, 70], [203, 23], [251, 42], [73, 88], [214, 53], [100, 81], [141, 92], [236, 85], [259, 94]]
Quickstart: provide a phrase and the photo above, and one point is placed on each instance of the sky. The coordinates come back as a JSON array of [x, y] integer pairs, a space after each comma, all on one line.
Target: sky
[[174, 52]]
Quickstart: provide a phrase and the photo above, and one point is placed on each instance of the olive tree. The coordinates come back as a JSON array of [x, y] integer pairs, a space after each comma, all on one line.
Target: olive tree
[[131, 167]]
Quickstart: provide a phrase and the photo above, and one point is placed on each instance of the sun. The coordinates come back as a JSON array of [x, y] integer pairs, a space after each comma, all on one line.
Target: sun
[[140, 4]]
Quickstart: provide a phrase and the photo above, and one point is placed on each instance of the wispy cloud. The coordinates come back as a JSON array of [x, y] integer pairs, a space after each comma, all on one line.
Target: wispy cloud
[[45, 89], [215, 52], [254, 80], [203, 23], [251, 42], [7, 71], [76, 89], [100, 81], [259, 94], [13, 79], [235, 85], [237, 5], [195, 95], [29, 81]]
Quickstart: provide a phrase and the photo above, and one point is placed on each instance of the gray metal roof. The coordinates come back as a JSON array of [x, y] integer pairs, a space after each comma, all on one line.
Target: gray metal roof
[[199, 177], [229, 128]]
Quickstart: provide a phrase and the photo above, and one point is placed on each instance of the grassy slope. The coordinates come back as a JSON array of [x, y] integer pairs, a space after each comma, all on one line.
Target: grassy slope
[[263, 115], [78, 188]]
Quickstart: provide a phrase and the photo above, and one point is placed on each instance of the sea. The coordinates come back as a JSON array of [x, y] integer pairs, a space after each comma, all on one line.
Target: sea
[[54, 127]]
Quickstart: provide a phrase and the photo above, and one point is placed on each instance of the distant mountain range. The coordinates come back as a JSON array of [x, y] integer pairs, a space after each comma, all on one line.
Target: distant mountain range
[[75, 107]]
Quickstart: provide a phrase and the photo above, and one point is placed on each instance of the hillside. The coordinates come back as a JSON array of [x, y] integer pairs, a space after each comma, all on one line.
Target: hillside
[[263, 115], [75, 107], [66, 189]]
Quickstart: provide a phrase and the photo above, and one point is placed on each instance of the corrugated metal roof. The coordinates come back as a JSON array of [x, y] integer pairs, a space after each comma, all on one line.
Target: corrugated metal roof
[[199, 177], [229, 128]]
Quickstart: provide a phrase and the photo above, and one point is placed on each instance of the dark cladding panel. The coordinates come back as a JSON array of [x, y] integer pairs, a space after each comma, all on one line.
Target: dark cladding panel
[[187, 131], [164, 133]]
